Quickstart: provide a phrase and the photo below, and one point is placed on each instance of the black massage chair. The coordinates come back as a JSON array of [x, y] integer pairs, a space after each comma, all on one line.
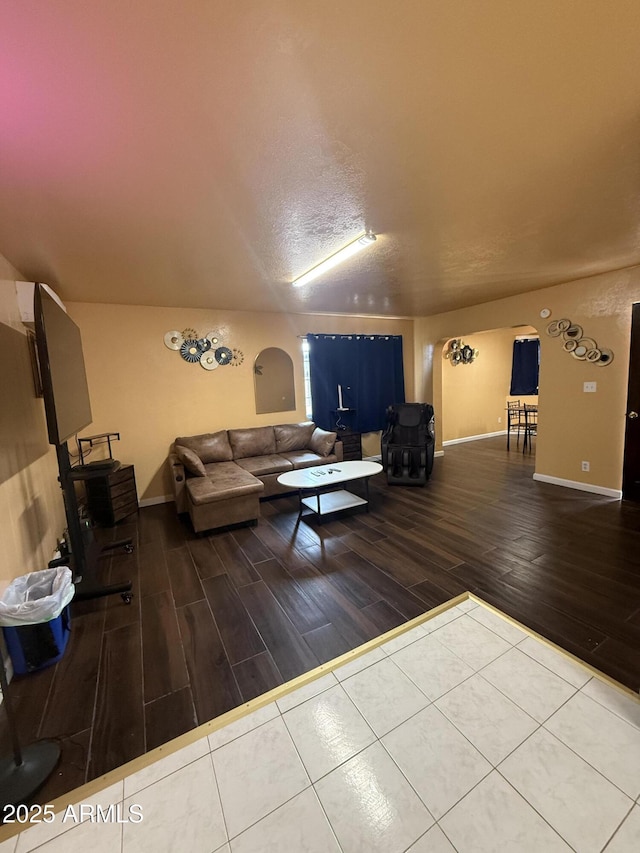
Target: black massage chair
[[408, 443]]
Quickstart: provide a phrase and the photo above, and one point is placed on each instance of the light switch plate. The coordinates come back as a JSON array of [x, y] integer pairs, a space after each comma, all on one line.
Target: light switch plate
[[589, 387]]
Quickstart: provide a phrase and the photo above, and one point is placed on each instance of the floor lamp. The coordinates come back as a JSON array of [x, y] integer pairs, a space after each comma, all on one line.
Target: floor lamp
[[28, 770]]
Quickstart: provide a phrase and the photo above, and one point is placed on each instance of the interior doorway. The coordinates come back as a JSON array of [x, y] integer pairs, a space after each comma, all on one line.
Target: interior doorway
[[631, 465], [475, 394]]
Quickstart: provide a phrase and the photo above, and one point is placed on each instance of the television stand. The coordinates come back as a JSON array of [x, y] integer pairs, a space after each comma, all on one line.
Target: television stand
[[85, 588]]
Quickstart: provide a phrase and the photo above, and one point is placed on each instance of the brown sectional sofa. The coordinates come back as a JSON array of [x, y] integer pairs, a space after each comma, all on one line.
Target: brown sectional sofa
[[219, 478]]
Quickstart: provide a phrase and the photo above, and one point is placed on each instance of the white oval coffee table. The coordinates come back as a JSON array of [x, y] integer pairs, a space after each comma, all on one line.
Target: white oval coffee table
[[319, 479]]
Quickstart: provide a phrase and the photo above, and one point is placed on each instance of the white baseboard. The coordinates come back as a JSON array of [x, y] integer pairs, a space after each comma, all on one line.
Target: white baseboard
[[473, 437], [161, 499], [581, 487], [438, 453]]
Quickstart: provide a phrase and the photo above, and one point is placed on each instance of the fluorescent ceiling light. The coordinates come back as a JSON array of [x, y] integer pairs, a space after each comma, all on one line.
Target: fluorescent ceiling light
[[349, 250]]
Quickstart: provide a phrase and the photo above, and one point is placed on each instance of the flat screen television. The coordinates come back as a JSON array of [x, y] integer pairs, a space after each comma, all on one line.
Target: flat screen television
[[62, 371]]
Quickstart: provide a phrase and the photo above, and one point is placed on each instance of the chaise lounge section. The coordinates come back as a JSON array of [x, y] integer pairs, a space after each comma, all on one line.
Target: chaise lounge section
[[219, 478]]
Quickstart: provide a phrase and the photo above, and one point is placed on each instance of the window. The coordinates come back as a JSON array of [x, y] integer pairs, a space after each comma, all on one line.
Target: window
[[525, 367], [353, 379]]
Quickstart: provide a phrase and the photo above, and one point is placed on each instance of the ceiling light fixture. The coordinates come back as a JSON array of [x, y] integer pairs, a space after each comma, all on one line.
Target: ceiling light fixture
[[348, 251]]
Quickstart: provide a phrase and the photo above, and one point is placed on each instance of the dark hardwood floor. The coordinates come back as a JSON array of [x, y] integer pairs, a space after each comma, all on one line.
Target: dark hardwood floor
[[218, 620]]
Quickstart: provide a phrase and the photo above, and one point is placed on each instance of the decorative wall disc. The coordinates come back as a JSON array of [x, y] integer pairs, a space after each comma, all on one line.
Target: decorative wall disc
[[563, 325], [189, 334], [593, 355], [223, 355], [569, 345], [573, 333], [579, 352], [606, 357], [191, 351], [173, 340], [208, 360], [237, 357], [213, 336], [204, 344], [553, 330]]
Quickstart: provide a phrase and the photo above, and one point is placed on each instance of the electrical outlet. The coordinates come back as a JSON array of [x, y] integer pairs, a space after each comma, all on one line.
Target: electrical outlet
[[499, 420], [585, 466], [589, 387]]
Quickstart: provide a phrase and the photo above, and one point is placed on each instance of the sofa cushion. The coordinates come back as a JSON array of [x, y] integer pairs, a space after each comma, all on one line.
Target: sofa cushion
[[190, 460], [307, 459], [261, 465], [293, 436], [255, 441], [223, 480], [210, 447], [322, 442]]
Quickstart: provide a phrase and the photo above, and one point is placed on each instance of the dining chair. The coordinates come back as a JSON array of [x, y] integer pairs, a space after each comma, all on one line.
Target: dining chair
[[515, 421], [530, 425]]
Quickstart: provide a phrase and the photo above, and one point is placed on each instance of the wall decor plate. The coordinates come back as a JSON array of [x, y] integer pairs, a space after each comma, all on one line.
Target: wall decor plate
[[173, 340], [569, 345], [189, 334], [553, 330], [563, 324], [213, 336], [579, 352], [208, 360], [545, 312], [606, 357], [574, 332], [190, 351], [223, 355], [204, 344], [237, 358]]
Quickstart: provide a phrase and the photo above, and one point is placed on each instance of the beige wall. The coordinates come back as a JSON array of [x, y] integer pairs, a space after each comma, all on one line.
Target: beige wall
[[474, 395], [150, 395], [31, 507], [573, 426]]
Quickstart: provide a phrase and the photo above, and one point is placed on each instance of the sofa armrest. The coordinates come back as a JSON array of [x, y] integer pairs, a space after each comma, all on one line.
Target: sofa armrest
[[178, 477], [337, 450]]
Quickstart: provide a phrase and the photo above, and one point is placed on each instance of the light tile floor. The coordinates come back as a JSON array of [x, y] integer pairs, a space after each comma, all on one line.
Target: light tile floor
[[463, 734]]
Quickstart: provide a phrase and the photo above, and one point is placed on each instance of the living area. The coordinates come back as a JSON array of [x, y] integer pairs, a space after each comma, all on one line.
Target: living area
[[175, 175]]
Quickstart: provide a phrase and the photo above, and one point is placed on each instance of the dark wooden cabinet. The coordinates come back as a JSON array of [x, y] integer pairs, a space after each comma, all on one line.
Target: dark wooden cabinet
[[351, 444], [112, 496]]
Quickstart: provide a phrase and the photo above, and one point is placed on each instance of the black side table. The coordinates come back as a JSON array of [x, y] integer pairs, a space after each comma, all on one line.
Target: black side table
[[351, 444]]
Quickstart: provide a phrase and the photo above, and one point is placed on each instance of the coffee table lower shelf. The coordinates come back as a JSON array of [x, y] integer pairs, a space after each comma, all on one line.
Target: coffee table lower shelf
[[323, 504]]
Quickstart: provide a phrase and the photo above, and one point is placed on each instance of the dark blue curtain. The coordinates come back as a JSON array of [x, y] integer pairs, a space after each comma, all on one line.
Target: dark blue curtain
[[369, 369], [525, 367]]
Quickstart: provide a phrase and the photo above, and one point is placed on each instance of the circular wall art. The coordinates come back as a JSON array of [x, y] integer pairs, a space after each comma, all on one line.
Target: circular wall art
[[580, 347], [574, 332], [208, 360], [223, 355], [606, 357], [205, 350], [173, 340], [191, 351], [237, 358]]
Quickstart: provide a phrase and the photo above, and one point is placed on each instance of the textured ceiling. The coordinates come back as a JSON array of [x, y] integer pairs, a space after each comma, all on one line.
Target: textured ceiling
[[205, 152]]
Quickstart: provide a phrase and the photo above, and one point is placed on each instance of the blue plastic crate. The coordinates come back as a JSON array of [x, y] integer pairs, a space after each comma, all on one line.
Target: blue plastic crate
[[34, 647]]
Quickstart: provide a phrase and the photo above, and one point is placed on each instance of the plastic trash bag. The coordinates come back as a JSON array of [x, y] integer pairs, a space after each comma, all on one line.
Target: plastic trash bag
[[36, 597]]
